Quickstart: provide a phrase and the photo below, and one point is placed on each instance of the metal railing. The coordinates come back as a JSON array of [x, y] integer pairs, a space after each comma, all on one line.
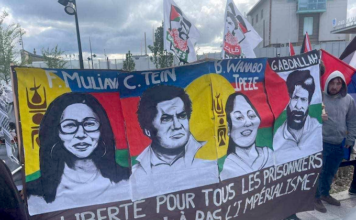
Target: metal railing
[[311, 6]]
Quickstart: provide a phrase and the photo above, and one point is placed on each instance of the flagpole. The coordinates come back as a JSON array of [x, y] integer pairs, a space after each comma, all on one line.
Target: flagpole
[[91, 55]]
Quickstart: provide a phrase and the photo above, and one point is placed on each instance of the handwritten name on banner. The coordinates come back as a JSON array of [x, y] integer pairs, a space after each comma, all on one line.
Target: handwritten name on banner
[[207, 112], [294, 62]]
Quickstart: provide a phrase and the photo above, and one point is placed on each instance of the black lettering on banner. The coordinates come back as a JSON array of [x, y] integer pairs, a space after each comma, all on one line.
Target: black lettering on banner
[[282, 64]]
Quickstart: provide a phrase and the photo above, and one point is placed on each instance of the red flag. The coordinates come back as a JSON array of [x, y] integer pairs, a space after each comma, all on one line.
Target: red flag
[[333, 63], [291, 49], [306, 47]]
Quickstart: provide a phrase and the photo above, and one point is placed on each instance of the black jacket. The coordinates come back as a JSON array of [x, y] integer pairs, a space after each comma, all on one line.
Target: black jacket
[[11, 205]]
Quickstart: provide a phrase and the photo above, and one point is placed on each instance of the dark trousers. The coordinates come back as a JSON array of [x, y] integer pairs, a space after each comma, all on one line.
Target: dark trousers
[[353, 184], [332, 158]]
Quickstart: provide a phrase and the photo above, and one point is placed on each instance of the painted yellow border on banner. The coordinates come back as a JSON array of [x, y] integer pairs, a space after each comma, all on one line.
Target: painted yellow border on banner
[[34, 96]]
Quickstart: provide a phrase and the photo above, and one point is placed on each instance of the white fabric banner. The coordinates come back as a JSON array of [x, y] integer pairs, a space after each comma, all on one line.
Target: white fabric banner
[[179, 34], [239, 36]]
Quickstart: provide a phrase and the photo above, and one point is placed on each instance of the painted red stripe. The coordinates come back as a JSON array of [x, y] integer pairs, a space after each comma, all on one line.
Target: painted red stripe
[[259, 100]]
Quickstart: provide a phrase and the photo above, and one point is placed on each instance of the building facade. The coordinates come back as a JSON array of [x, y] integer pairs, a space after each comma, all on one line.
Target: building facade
[[282, 21], [29, 58]]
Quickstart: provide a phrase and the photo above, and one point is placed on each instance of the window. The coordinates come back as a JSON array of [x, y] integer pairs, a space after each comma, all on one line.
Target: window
[[252, 21], [256, 18], [308, 25], [262, 14]]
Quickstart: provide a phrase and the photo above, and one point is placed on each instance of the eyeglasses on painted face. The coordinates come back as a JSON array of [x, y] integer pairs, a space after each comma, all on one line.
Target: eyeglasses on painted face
[[70, 126]]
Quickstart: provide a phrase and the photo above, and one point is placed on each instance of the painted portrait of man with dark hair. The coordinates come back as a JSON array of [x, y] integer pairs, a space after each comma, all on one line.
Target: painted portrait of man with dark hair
[[168, 164], [298, 133]]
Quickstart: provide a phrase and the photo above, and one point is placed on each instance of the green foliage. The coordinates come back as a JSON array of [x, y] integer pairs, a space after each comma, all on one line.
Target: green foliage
[[129, 63], [160, 58], [53, 57], [9, 36]]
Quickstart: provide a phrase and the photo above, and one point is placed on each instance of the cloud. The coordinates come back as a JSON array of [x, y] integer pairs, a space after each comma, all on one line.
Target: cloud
[[351, 9], [114, 25]]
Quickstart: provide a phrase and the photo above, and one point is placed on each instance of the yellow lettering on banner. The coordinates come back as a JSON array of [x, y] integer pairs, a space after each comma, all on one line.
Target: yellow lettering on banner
[[37, 88]]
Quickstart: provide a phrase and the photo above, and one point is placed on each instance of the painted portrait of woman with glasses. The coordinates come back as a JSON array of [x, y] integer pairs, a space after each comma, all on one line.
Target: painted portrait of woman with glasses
[[77, 157]]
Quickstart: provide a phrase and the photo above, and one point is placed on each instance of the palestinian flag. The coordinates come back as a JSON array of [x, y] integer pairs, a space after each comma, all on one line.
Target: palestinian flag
[[306, 46], [349, 54], [174, 14], [333, 63]]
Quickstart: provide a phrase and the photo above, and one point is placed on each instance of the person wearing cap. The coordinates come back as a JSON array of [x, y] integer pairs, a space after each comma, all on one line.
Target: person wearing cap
[[339, 123]]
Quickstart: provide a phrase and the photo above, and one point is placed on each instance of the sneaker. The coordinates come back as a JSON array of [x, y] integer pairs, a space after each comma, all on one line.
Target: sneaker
[[352, 191], [319, 206], [331, 200], [292, 217]]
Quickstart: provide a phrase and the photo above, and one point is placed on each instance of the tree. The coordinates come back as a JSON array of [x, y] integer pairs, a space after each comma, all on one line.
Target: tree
[[53, 57], [8, 39], [160, 58], [129, 63]]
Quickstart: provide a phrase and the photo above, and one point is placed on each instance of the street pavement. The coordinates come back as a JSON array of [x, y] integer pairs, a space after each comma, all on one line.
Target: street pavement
[[347, 208]]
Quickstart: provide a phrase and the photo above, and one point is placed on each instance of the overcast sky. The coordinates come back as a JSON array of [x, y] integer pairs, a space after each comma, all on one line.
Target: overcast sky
[[115, 25]]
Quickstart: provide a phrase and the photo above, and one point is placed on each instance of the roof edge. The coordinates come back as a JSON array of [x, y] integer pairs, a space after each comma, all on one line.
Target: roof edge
[[254, 7]]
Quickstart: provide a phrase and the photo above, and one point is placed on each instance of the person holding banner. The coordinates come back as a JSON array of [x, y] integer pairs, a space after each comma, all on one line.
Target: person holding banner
[[77, 157], [339, 123], [169, 163], [243, 156]]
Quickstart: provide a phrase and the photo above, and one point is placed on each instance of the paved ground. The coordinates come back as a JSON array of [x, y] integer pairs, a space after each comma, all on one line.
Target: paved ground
[[348, 204]]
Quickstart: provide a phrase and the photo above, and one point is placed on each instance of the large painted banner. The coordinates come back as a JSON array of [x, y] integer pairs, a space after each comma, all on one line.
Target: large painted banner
[[192, 142]]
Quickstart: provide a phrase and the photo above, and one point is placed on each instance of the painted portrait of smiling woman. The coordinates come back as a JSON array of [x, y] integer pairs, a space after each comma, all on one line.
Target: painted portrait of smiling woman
[[77, 157], [243, 156]]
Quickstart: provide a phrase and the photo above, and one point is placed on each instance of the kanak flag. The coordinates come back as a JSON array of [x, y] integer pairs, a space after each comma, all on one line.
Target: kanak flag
[[291, 49], [306, 47], [179, 34]]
